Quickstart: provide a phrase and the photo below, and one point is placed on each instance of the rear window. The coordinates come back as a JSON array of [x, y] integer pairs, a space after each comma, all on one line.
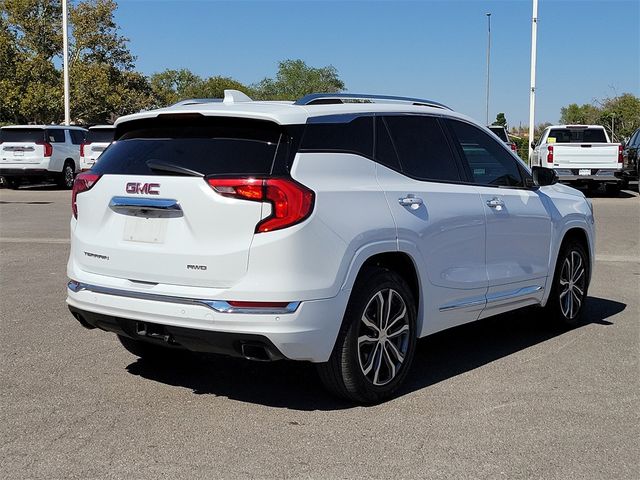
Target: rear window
[[100, 135], [500, 132], [577, 135], [30, 135], [210, 146]]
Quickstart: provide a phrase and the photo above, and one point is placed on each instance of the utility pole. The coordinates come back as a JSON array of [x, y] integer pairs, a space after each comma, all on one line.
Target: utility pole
[[65, 62], [488, 62], [532, 93]]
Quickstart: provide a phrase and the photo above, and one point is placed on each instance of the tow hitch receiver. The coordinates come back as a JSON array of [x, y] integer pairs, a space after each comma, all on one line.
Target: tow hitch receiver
[[152, 330]]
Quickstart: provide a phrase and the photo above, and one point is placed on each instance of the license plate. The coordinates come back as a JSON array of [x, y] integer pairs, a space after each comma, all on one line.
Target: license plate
[[18, 153], [146, 230], [584, 171]]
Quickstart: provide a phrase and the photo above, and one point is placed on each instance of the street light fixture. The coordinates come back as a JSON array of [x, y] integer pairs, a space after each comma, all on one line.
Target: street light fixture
[[65, 62], [532, 92], [488, 62]]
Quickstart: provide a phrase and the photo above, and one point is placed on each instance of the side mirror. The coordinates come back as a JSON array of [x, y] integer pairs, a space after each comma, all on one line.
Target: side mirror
[[544, 176], [533, 145]]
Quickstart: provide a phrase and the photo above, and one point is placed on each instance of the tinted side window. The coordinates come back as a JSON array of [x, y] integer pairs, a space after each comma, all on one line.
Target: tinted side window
[[489, 162], [385, 151], [55, 135], [77, 136], [422, 147], [355, 136]]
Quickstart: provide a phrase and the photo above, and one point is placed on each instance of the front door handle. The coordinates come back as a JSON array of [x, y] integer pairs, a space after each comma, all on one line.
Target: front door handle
[[410, 201], [496, 203]]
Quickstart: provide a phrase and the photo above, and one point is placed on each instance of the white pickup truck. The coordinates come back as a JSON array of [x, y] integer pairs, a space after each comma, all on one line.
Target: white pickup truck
[[581, 155]]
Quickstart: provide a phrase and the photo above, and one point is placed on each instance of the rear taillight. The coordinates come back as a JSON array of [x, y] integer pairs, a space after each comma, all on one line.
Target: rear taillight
[[82, 145], [620, 159], [48, 148], [290, 201], [549, 154], [82, 183]]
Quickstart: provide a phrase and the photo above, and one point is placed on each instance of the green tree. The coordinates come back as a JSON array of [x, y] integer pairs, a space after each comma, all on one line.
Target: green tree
[[500, 120], [102, 80], [575, 114], [214, 87], [30, 85], [624, 111], [171, 86], [296, 79]]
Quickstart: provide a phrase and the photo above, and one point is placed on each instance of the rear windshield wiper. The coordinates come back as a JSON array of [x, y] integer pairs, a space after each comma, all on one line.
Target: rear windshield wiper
[[161, 166]]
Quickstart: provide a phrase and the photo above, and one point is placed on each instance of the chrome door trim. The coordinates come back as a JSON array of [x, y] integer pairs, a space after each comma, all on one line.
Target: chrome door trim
[[492, 298], [146, 207], [512, 294], [219, 306], [471, 302]]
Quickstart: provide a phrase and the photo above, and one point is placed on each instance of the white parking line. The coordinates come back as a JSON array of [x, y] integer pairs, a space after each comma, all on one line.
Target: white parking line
[[33, 240], [618, 258]]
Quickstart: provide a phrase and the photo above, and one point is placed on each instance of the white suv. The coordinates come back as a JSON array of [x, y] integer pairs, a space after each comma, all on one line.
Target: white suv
[[337, 230], [40, 152], [98, 139]]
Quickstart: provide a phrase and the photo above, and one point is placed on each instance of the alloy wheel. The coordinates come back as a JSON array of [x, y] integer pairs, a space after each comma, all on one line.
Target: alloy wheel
[[383, 337], [572, 284]]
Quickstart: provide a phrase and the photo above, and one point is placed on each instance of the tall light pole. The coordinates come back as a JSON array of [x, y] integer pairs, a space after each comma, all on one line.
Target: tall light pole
[[532, 93], [488, 62], [65, 62]]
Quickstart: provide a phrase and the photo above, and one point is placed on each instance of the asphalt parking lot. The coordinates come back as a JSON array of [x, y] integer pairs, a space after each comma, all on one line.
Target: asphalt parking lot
[[509, 397]]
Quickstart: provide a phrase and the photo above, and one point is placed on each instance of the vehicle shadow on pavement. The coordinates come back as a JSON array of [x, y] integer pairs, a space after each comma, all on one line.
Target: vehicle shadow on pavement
[[296, 386]]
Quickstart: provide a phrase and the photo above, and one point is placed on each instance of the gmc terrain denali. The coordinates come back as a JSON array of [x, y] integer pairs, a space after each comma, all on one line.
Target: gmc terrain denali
[[337, 230]]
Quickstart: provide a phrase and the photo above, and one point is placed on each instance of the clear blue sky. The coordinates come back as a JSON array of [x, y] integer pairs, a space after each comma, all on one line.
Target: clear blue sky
[[429, 49]]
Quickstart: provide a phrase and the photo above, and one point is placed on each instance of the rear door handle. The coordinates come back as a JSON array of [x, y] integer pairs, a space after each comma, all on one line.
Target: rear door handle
[[410, 201], [496, 203]]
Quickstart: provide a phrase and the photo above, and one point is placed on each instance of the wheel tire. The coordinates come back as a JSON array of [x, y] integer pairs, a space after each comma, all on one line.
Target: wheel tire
[[67, 176], [612, 189], [570, 285], [145, 350], [12, 183], [370, 371]]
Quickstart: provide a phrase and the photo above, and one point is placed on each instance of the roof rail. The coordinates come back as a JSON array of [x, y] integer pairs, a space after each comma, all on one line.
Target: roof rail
[[333, 98]]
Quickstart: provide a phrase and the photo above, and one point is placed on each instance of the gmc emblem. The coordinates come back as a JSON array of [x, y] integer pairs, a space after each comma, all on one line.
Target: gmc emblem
[[143, 188]]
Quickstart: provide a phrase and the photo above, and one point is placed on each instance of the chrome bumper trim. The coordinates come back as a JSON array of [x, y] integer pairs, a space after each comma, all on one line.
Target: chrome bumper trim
[[219, 306]]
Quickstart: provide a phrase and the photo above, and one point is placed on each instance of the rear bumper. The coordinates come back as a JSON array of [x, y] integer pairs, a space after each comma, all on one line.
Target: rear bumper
[[231, 344], [308, 333], [36, 171], [596, 174]]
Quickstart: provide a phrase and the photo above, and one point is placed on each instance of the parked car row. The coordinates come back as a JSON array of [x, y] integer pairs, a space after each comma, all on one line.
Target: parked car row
[[34, 153]]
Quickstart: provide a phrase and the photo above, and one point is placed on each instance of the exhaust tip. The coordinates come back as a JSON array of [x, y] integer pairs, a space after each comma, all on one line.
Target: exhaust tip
[[255, 352]]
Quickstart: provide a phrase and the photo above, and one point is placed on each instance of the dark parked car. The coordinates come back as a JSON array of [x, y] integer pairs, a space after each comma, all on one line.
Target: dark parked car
[[503, 135], [630, 156]]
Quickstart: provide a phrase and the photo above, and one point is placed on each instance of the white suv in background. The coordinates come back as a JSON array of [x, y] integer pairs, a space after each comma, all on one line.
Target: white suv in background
[[337, 230], [98, 138], [40, 152]]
